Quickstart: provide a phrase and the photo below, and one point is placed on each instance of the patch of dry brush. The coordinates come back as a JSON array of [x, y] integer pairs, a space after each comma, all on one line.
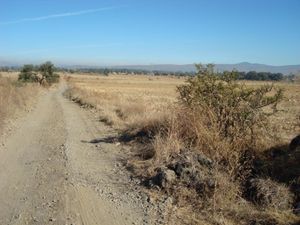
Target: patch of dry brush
[[213, 143], [14, 96]]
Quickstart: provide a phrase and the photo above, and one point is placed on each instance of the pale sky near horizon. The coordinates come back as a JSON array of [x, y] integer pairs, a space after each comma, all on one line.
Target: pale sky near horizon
[[112, 32]]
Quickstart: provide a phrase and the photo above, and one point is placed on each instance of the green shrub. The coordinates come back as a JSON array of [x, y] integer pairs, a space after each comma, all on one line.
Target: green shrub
[[238, 110], [43, 73], [47, 71], [28, 74]]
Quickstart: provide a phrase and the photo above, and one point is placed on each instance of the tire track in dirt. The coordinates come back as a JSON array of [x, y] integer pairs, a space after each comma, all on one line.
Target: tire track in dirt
[[51, 173]]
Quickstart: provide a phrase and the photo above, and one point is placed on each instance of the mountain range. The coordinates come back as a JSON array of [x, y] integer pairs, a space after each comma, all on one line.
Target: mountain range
[[244, 66]]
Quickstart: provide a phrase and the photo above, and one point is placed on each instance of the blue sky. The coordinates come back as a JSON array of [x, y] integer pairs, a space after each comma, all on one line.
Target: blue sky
[[111, 32]]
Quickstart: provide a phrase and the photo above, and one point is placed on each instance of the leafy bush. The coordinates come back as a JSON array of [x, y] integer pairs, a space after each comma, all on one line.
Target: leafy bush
[[47, 71], [237, 109], [28, 74], [224, 118], [43, 73]]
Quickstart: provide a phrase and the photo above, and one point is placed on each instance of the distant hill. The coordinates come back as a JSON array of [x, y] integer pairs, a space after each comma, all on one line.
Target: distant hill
[[246, 67]]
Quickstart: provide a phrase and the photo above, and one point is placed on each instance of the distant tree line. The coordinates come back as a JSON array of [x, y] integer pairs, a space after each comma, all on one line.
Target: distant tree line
[[107, 71], [252, 75], [265, 76]]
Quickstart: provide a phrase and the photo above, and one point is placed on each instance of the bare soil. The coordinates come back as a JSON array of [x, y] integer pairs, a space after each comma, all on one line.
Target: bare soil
[[59, 166]]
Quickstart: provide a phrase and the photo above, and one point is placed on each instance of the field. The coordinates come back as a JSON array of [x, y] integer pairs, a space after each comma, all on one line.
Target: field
[[14, 97], [127, 100], [147, 107]]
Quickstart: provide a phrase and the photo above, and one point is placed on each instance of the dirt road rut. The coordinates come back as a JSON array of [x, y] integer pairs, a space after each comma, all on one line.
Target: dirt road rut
[[51, 173]]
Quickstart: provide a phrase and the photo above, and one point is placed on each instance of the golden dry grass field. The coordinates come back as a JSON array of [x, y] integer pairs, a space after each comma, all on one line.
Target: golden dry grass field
[[125, 100], [12, 75]]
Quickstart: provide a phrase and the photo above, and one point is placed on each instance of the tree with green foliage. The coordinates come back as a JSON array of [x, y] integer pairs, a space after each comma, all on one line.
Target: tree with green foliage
[[41, 74], [47, 71], [28, 74]]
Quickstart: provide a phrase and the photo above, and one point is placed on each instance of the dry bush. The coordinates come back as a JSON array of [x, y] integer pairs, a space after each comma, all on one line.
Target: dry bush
[[228, 123], [219, 117], [14, 96], [230, 111]]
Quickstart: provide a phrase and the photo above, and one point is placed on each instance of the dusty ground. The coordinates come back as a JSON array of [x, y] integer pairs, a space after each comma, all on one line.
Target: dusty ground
[[58, 166]]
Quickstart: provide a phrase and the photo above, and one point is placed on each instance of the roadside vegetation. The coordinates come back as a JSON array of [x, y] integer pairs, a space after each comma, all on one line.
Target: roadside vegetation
[[14, 97], [18, 91], [218, 147], [43, 74]]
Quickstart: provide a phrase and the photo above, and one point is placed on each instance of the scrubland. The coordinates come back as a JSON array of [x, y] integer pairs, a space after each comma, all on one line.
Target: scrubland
[[14, 96], [212, 174]]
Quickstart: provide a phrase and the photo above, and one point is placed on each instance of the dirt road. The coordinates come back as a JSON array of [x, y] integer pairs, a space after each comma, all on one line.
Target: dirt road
[[58, 167]]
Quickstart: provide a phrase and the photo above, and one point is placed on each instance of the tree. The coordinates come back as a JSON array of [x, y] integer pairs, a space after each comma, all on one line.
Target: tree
[[47, 72], [106, 72], [28, 74], [41, 74]]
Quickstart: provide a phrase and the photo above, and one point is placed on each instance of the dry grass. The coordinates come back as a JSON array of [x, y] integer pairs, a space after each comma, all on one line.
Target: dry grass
[[14, 96], [287, 120], [126, 101], [148, 104]]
